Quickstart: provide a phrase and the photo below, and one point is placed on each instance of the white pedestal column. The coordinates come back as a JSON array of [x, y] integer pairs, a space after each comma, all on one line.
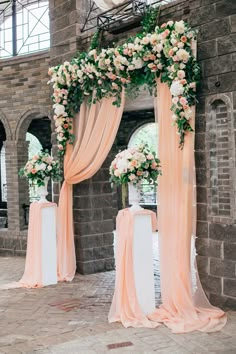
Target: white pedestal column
[[143, 262], [49, 246]]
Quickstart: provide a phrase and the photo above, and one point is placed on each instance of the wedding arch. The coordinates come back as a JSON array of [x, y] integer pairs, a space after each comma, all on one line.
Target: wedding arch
[[95, 84]]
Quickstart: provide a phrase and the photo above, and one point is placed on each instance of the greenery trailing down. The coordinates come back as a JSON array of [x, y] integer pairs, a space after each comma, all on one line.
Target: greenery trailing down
[[166, 53], [150, 19]]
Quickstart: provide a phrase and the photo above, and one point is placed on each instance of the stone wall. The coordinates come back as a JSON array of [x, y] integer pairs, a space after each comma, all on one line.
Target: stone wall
[[215, 150], [25, 96]]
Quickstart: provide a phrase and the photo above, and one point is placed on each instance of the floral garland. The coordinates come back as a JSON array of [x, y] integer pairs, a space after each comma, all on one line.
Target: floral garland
[[165, 53]]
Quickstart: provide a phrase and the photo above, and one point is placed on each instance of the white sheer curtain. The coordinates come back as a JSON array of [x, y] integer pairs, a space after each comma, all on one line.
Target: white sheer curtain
[[108, 4]]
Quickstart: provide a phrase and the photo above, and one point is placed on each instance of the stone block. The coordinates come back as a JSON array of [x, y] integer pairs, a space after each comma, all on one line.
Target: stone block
[[108, 238], [63, 9], [85, 254], [201, 212], [214, 30], [201, 195], [87, 215], [200, 141], [107, 213], [201, 176], [227, 82], [211, 284], [100, 265], [233, 23], [202, 246], [102, 201], [82, 202], [202, 229], [101, 176], [200, 158], [202, 264], [222, 232], [225, 8], [103, 252], [230, 251], [215, 248], [226, 44], [89, 241], [92, 228], [200, 110], [63, 35], [224, 302], [200, 123], [230, 287], [82, 188], [203, 14], [85, 267], [218, 65], [222, 268]]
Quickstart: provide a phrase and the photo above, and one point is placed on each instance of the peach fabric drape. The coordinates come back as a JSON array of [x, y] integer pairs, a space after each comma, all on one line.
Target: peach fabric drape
[[176, 223], [125, 307], [96, 131], [32, 277], [182, 309]]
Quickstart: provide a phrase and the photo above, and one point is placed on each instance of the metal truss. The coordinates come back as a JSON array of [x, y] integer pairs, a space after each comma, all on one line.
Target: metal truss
[[115, 19]]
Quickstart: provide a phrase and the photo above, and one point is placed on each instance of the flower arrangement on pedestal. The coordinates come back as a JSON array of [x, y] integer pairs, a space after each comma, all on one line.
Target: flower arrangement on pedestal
[[39, 169], [134, 166]]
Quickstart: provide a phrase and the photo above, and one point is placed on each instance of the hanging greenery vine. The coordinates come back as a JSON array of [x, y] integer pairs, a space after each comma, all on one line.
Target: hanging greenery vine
[[150, 19], [165, 52]]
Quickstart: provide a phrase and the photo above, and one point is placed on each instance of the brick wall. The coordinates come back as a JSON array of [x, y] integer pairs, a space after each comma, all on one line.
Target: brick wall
[[25, 96]]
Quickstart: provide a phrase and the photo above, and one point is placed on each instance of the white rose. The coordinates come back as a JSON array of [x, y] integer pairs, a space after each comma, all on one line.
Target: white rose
[[176, 88], [153, 38], [188, 113], [183, 55], [138, 63], [179, 26], [59, 109], [92, 52], [49, 168], [159, 47], [79, 73], [43, 166], [122, 165], [181, 74], [145, 40]]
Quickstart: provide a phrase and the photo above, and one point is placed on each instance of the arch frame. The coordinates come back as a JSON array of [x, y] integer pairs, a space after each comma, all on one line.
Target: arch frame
[[25, 120], [6, 125]]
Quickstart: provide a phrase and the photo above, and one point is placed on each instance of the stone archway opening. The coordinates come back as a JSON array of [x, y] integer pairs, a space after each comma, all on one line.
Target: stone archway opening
[[33, 134], [3, 179]]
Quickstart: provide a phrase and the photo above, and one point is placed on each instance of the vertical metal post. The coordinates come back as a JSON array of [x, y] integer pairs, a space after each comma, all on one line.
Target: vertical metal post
[[14, 34]]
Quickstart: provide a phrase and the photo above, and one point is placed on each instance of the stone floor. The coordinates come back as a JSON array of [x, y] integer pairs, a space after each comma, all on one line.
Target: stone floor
[[72, 318]]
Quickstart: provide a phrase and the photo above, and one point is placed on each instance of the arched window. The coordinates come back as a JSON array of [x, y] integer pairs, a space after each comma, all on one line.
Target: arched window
[[148, 134], [24, 27], [34, 147]]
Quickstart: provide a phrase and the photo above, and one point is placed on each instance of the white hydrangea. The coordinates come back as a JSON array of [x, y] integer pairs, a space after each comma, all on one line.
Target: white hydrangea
[[176, 88], [188, 113], [179, 26], [138, 63], [183, 55], [59, 109]]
